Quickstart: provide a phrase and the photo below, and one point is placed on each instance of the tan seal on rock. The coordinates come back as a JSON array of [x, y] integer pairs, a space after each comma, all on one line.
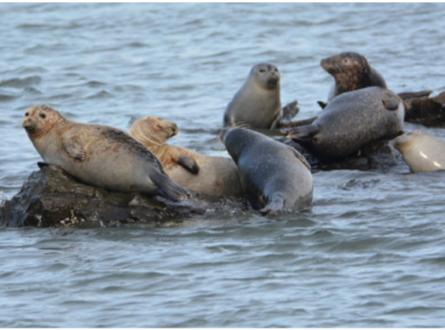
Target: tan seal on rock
[[212, 176], [274, 176], [421, 151], [257, 104], [98, 155]]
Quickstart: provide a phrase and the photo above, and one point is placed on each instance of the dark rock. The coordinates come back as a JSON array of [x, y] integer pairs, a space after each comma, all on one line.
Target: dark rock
[[52, 198], [426, 111], [379, 155]]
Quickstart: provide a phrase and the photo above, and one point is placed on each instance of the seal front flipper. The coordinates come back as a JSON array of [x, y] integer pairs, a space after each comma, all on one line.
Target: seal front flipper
[[300, 158], [188, 163], [167, 188], [391, 102], [275, 204], [73, 148], [302, 133]]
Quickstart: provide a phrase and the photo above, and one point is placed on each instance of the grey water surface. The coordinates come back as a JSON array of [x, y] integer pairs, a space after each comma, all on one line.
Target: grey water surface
[[371, 253]]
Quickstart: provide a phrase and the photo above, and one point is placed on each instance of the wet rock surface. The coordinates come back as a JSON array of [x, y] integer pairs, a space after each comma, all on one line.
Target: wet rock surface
[[379, 156], [426, 111], [52, 198]]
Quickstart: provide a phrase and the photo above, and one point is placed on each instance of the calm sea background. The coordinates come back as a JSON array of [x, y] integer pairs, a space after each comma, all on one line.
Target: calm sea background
[[371, 253]]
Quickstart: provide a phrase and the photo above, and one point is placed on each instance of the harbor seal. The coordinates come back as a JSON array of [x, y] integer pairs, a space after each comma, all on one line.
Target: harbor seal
[[257, 103], [212, 176], [274, 176], [351, 121], [351, 72], [421, 151], [98, 155]]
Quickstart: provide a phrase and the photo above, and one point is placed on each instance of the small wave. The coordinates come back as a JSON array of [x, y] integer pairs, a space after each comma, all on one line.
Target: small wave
[[101, 95], [33, 26], [21, 82]]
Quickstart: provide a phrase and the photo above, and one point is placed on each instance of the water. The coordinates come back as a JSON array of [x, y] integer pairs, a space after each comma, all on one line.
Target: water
[[370, 254]]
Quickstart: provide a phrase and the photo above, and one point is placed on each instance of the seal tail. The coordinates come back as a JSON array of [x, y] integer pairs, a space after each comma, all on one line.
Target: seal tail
[[302, 133], [168, 188], [275, 204]]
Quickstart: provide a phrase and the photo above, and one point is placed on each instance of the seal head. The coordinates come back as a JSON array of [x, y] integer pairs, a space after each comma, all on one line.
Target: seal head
[[257, 103], [351, 72]]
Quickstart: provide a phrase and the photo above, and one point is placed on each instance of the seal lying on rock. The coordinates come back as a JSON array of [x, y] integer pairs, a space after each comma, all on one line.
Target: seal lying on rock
[[98, 155], [421, 151], [257, 104], [213, 176], [351, 72], [274, 176], [351, 121]]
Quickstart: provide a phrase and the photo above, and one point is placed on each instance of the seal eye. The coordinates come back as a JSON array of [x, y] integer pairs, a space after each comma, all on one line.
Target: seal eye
[[27, 114], [345, 61], [42, 115], [262, 70]]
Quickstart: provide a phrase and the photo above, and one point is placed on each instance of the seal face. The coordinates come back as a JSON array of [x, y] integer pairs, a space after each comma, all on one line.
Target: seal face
[[421, 151], [351, 72], [257, 104], [351, 121], [98, 155], [274, 176], [211, 176]]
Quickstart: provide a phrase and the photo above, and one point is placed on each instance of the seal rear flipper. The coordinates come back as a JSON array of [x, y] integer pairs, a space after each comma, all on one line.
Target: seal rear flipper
[[302, 133], [189, 163], [275, 204], [168, 188]]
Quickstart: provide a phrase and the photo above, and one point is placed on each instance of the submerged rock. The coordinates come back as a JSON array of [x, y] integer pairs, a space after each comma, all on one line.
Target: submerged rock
[[52, 198]]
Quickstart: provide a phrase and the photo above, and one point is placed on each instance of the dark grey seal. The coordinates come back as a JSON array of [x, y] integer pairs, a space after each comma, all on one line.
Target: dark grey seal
[[273, 176], [351, 121]]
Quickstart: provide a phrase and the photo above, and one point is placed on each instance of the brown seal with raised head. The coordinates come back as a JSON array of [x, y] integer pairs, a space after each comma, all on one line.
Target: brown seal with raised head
[[257, 104], [421, 151], [212, 176], [274, 176], [350, 122], [351, 72], [98, 155]]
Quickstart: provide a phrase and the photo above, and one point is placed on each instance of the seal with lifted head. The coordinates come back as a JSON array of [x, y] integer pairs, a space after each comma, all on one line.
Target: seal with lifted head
[[257, 104], [98, 155], [212, 176]]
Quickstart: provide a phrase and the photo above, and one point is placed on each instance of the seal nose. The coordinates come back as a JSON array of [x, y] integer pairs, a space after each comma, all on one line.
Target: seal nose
[[325, 63], [27, 122], [174, 129]]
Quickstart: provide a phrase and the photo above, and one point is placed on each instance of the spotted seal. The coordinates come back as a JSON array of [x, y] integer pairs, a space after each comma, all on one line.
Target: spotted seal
[[98, 155], [351, 121]]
